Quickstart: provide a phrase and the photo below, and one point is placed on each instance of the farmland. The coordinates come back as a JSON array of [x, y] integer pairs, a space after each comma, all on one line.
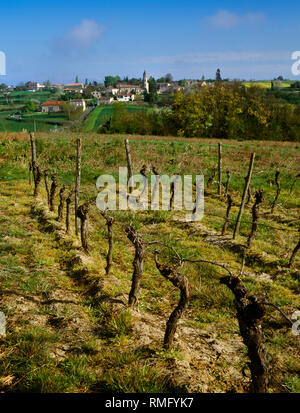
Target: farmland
[[14, 103], [102, 113], [69, 324]]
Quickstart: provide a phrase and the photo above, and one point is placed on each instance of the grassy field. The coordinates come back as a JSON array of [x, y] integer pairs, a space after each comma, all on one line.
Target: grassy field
[[15, 103], [69, 327], [102, 113], [266, 84]]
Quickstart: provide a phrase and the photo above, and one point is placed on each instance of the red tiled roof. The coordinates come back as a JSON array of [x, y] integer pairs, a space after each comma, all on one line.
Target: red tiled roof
[[53, 103]]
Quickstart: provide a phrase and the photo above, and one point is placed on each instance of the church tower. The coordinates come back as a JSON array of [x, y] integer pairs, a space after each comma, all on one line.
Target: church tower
[[145, 82]]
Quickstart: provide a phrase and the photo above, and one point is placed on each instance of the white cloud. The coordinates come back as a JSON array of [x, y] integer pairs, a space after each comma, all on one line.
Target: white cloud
[[225, 19], [85, 34], [78, 39]]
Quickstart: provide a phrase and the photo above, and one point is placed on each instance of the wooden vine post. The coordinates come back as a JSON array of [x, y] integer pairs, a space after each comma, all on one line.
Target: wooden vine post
[[255, 210], [30, 172], [47, 186], [77, 184], [211, 178], [182, 282], [277, 182], [62, 198], [138, 264], [220, 168], [37, 178], [129, 164], [229, 205], [250, 310], [54, 185], [68, 204], [155, 187], [228, 173], [109, 222], [83, 215], [247, 183], [33, 153]]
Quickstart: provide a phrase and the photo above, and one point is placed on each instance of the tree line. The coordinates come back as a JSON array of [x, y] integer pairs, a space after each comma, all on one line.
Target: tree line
[[227, 110]]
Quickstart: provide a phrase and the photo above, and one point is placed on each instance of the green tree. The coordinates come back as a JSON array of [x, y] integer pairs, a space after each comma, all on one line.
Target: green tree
[[29, 106], [76, 79], [218, 75], [111, 80], [152, 85], [169, 78]]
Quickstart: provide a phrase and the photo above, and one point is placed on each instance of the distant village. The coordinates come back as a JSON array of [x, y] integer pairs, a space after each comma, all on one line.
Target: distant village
[[106, 94]]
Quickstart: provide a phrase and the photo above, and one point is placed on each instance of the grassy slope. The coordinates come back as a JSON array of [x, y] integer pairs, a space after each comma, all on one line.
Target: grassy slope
[[101, 113], [208, 345]]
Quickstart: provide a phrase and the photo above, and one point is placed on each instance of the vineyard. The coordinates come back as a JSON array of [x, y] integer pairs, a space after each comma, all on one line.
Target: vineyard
[[143, 301]]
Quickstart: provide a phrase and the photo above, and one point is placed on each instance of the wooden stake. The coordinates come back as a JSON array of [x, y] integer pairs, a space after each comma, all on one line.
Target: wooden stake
[[229, 205], [277, 182], [54, 185], [68, 202], [129, 164], [248, 179], [228, 173], [33, 153], [109, 222], [77, 184], [62, 198], [220, 169], [47, 186]]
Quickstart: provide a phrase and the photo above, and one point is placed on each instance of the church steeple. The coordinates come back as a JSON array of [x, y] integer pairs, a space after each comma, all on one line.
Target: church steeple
[[145, 82]]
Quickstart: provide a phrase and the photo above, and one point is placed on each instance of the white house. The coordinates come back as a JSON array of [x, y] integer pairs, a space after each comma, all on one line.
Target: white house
[[78, 103], [125, 97], [34, 86], [52, 106]]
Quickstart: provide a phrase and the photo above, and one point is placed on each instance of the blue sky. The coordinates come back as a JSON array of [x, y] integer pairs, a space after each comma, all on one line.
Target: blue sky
[[58, 40]]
